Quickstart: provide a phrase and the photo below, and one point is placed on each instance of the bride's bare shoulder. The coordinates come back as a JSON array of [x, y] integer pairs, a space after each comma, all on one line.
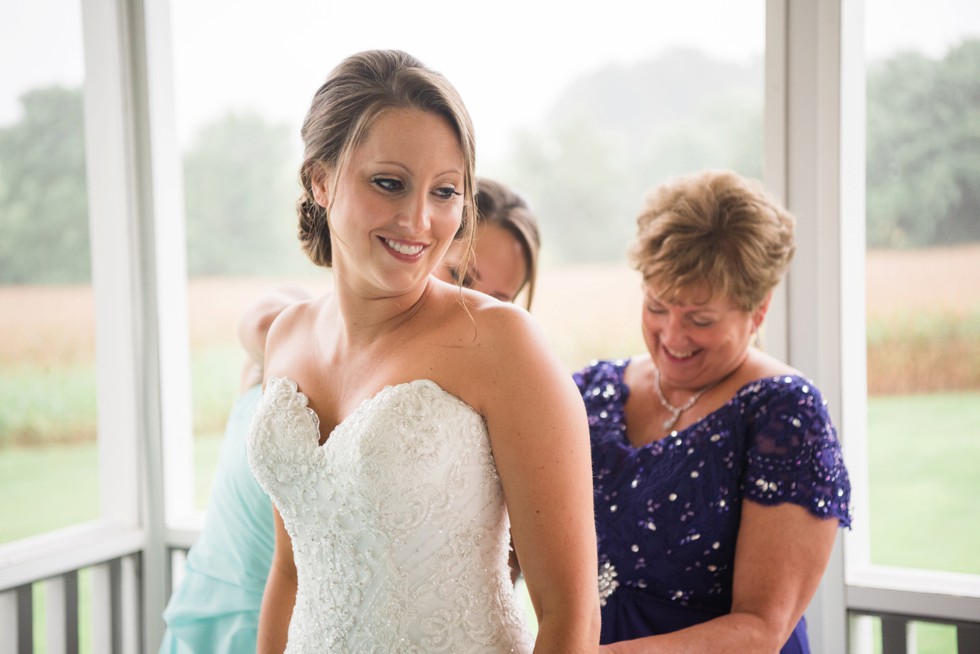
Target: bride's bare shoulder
[[480, 319], [295, 319]]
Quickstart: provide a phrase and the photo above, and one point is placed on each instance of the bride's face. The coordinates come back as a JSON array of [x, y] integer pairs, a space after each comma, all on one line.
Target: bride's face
[[397, 203]]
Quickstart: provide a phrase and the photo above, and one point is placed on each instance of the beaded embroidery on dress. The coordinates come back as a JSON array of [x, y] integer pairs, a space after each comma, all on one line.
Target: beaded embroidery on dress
[[399, 529]]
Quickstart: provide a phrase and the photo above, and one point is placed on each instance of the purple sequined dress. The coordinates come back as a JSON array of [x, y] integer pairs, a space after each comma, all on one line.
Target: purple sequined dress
[[667, 513]]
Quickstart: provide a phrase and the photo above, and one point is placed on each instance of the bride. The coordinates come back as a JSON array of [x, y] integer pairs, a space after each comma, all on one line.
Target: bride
[[409, 427]]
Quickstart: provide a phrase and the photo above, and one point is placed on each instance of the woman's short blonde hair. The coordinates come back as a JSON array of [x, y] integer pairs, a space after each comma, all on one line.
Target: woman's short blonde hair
[[713, 230]]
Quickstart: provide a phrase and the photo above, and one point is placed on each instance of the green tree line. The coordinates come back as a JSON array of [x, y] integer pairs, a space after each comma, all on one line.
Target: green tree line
[[923, 151], [617, 132], [239, 193], [611, 135]]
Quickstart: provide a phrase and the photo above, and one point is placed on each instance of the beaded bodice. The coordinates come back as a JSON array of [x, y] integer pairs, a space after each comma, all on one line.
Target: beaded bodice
[[668, 513], [399, 530]]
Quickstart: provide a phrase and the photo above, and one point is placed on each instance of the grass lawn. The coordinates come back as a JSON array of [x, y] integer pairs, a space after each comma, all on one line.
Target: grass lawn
[[49, 488], [924, 453]]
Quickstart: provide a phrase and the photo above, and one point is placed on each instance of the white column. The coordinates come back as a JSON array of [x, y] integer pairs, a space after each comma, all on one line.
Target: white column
[[814, 161], [113, 205], [139, 277], [166, 460]]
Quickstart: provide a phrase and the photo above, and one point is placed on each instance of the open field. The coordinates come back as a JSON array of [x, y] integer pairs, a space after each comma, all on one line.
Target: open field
[[576, 305], [923, 335], [938, 280], [923, 308]]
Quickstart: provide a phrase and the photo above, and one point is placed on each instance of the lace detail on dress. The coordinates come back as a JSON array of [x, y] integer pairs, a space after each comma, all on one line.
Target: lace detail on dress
[[668, 512], [399, 529], [795, 456]]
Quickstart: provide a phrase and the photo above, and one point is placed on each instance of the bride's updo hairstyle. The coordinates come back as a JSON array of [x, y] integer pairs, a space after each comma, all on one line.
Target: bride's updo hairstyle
[[357, 91]]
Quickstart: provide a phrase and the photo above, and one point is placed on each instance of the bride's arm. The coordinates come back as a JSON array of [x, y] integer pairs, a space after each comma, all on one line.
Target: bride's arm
[[280, 595], [540, 440]]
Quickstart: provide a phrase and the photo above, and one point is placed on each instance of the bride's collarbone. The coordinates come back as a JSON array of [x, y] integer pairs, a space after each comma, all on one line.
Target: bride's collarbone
[[337, 379], [338, 388]]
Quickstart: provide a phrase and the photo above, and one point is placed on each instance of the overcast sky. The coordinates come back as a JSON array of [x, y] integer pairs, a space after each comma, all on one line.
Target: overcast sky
[[508, 58]]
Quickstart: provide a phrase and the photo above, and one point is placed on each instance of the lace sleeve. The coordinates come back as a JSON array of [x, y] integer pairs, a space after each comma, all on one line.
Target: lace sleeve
[[793, 451], [583, 377]]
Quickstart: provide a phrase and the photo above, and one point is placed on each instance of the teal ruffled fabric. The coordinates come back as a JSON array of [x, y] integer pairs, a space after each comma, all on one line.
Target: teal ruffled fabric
[[215, 608]]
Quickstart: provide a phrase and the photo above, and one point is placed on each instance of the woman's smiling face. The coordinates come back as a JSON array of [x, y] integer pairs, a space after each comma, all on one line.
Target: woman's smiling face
[[699, 339], [397, 203], [497, 268]]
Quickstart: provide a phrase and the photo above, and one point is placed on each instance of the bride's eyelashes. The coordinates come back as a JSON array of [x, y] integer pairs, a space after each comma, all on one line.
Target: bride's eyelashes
[[447, 192], [389, 184], [393, 185]]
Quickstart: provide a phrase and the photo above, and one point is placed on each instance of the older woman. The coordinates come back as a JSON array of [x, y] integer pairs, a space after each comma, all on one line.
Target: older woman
[[719, 481]]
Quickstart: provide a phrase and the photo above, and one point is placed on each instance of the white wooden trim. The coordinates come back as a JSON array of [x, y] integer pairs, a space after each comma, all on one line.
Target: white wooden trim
[[74, 548], [139, 276], [178, 564], [8, 620], [861, 634], [814, 197], [186, 534], [847, 350], [129, 604], [913, 605], [166, 463], [100, 602], [775, 338], [112, 206], [805, 42], [55, 608], [917, 593], [853, 424], [164, 176]]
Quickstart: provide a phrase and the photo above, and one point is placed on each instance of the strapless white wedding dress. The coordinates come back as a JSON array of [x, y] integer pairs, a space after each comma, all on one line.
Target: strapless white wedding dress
[[399, 529]]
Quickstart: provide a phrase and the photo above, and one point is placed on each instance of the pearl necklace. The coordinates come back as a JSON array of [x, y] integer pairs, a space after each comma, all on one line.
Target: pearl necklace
[[676, 411]]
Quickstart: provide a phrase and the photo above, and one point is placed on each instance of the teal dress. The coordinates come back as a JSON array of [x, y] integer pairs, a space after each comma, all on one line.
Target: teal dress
[[215, 608]]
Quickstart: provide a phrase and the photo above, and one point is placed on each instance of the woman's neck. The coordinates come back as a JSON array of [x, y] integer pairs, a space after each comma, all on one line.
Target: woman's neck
[[366, 320]]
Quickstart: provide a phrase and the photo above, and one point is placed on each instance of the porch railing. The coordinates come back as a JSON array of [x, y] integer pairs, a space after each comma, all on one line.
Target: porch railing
[[80, 590]]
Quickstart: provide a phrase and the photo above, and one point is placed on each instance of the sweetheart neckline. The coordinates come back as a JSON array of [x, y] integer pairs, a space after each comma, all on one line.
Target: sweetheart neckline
[[293, 389]]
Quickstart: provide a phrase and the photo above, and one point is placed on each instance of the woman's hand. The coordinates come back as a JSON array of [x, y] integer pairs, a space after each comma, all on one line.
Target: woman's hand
[[253, 327]]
